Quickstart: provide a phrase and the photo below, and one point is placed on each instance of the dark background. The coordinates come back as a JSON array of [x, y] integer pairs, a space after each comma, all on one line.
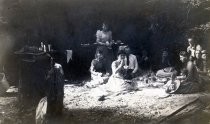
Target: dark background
[[153, 25]]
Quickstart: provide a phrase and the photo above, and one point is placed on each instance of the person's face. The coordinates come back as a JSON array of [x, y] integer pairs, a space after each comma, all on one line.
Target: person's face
[[121, 57], [165, 54], [100, 56], [104, 27], [204, 56], [198, 54], [191, 41], [127, 50], [183, 59]]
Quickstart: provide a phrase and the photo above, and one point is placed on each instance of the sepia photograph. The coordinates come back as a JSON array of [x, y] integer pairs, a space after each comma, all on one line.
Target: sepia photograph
[[104, 61]]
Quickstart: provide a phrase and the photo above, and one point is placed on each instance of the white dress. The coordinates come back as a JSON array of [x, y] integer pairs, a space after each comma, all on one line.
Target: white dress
[[117, 83]]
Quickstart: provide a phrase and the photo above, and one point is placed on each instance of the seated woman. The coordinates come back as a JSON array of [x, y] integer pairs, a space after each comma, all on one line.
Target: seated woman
[[167, 70], [203, 70], [189, 78], [117, 81], [198, 60], [98, 69], [202, 65]]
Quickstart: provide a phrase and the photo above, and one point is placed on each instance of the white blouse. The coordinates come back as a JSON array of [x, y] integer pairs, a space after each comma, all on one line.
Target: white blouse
[[103, 37]]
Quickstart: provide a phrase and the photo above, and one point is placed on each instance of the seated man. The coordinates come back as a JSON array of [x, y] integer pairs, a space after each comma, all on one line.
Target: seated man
[[189, 78], [167, 71], [131, 62]]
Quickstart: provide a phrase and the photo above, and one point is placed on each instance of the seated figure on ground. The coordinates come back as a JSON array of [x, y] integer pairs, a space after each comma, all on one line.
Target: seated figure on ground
[[192, 48], [202, 66], [166, 70], [117, 81], [203, 71], [132, 63], [98, 69], [189, 77], [198, 60], [144, 61], [204, 58], [98, 65]]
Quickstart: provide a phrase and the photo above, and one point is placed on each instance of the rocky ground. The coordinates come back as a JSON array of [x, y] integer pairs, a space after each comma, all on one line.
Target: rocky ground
[[148, 105], [11, 112]]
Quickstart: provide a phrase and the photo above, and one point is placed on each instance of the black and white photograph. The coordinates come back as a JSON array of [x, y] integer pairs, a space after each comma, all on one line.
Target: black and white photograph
[[104, 61]]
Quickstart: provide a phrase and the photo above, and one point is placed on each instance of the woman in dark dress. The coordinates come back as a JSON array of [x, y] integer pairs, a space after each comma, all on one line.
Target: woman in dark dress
[[98, 70], [166, 70], [98, 65]]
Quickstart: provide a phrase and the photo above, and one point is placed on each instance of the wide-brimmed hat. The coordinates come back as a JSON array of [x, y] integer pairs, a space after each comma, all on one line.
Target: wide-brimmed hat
[[172, 87]]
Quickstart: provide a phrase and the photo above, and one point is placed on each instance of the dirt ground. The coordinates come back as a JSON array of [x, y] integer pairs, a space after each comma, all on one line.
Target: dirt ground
[[145, 106], [11, 112]]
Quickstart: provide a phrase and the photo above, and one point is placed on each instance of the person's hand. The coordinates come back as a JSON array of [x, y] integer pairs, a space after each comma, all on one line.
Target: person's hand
[[181, 77], [121, 63], [107, 43], [100, 74], [107, 74], [146, 58], [125, 67], [133, 74]]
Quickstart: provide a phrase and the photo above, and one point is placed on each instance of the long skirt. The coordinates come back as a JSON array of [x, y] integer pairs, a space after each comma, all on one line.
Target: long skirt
[[116, 84], [187, 87], [166, 72]]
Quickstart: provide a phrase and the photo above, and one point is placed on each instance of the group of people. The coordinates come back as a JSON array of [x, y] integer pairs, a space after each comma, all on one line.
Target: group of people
[[119, 73], [194, 73], [104, 65]]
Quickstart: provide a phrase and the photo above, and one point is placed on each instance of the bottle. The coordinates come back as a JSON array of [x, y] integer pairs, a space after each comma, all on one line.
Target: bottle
[[42, 47], [45, 49], [49, 47]]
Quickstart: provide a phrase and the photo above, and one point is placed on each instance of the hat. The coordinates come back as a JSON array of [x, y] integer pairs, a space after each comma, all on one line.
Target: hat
[[121, 52], [122, 47], [172, 87]]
